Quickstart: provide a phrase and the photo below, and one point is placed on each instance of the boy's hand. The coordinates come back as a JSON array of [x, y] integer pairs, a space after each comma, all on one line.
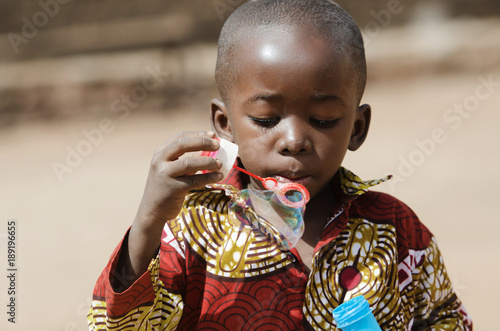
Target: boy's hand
[[173, 173]]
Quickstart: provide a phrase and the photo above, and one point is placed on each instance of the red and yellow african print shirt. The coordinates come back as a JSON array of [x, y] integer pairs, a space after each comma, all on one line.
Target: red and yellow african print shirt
[[212, 275]]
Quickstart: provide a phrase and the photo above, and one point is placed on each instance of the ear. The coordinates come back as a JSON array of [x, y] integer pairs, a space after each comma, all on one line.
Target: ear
[[219, 117], [361, 125]]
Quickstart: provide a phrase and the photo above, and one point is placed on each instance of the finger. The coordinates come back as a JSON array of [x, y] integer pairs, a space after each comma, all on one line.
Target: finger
[[209, 134], [192, 164], [200, 180], [186, 144]]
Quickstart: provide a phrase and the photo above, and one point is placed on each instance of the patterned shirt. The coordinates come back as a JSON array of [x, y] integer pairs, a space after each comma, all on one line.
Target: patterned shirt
[[211, 274]]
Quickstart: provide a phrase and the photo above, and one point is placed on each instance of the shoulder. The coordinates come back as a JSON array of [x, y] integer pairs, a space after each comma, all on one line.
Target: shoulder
[[378, 204], [378, 207]]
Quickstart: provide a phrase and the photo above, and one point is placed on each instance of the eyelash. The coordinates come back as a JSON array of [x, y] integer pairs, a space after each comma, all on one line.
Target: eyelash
[[270, 122], [324, 123], [265, 122]]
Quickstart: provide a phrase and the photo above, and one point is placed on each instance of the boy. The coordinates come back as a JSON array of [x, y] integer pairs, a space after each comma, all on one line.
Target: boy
[[291, 75]]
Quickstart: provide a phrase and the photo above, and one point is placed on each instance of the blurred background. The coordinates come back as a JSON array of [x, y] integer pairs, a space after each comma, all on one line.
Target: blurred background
[[88, 89]]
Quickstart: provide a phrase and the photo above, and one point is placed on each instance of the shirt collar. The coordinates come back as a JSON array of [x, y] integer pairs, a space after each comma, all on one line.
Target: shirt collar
[[350, 186], [346, 186]]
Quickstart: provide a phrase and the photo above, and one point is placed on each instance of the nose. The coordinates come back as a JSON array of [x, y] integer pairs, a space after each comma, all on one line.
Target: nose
[[293, 138]]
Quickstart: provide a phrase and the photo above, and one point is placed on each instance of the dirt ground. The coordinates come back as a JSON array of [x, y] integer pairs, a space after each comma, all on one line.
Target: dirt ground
[[436, 133]]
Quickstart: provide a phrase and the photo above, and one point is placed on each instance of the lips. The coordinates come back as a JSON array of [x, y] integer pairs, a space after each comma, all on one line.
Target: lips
[[302, 180]]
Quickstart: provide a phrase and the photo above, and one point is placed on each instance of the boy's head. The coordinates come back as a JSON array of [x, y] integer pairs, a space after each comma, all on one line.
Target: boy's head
[[291, 74], [322, 17]]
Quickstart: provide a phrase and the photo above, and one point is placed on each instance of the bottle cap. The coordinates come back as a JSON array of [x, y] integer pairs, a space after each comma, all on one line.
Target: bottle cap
[[355, 315]]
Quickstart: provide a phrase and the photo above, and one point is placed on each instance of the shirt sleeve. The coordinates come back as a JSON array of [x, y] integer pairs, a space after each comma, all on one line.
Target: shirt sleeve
[[437, 306], [152, 302]]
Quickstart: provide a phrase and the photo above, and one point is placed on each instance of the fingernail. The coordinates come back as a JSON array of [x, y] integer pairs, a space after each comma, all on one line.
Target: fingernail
[[211, 133], [218, 163], [215, 143]]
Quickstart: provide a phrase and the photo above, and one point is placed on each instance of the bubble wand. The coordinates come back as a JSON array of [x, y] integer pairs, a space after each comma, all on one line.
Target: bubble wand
[[282, 190], [227, 154], [280, 207]]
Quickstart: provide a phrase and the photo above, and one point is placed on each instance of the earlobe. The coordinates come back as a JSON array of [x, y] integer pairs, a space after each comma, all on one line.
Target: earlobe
[[361, 126], [219, 117]]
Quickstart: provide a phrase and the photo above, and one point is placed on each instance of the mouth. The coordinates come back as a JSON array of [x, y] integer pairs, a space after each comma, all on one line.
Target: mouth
[[302, 180]]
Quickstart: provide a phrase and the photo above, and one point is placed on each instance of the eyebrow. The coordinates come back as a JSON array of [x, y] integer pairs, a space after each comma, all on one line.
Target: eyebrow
[[317, 97], [269, 97], [326, 97]]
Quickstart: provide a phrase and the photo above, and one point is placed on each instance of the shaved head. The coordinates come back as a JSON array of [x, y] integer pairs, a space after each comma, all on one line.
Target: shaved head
[[322, 17]]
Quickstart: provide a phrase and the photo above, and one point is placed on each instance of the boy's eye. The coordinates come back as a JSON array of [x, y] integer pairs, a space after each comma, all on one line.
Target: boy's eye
[[324, 123], [265, 122]]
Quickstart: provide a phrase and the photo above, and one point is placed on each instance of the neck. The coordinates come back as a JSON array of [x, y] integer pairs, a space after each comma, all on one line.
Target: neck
[[316, 216]]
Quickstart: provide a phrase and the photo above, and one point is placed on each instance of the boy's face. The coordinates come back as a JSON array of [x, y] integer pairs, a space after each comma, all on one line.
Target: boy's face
[[292, 108]]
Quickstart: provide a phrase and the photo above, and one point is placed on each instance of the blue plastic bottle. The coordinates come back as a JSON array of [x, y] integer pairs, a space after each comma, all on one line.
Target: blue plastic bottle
[[355, 315]]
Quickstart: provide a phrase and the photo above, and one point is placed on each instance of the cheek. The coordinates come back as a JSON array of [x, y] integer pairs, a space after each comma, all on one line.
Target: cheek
[[342, 137], [255, 147], [251, 148], [332, 148], [331, 152], [245, 139], [250, 136]]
